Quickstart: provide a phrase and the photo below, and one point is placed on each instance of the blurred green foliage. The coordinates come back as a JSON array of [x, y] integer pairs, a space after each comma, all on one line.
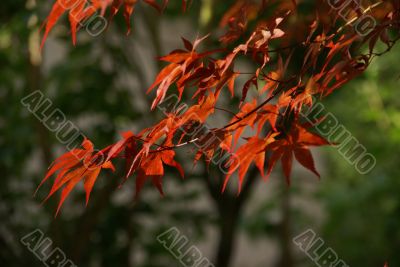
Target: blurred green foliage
[[364, 210]]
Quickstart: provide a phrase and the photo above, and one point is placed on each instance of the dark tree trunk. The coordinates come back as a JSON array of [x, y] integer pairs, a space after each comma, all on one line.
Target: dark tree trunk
[[227, 229], [229, 206], [285, 235]]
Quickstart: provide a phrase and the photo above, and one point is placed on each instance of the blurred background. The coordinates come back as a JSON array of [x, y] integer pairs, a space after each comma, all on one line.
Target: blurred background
[[100, 86]]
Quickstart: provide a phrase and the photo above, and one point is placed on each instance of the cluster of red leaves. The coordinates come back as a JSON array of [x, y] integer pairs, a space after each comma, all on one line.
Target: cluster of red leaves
[[74, 166], [278, 132], [81, 10]]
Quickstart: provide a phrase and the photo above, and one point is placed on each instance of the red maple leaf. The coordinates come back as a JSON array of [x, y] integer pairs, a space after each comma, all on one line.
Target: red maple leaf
[[295, 144], [74, 166]]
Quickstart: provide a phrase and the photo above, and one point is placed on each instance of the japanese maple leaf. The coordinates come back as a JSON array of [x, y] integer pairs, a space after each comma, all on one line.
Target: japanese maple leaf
[[295, 144], [252, 151], [269, 113], [239, 127], [200, 112], [152, 167], [183, 64], [237, 18], [209, 144], [80, 10], [74, 166]]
